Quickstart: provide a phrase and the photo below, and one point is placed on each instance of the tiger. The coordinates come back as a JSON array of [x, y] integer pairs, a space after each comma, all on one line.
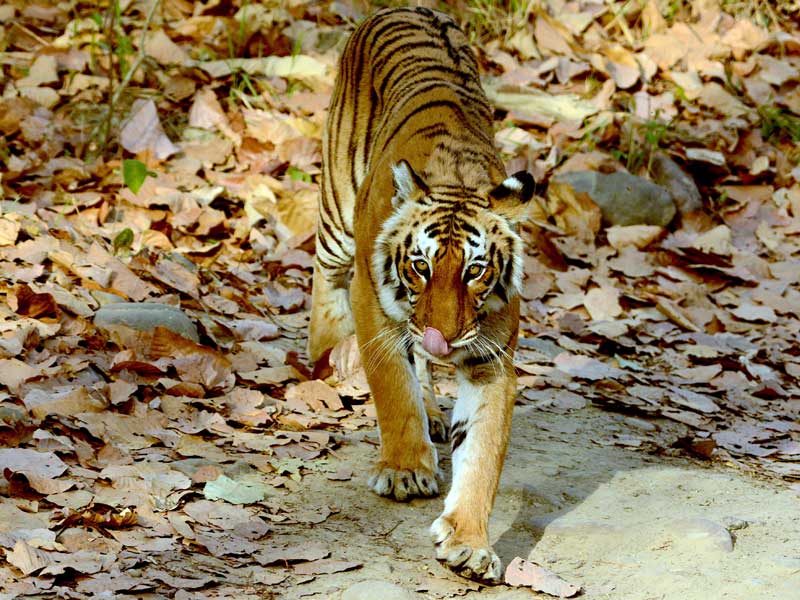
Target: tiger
[[418, 254]]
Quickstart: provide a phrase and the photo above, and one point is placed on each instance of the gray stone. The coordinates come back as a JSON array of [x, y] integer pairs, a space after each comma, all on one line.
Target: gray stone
[[375, 589], [668, 174], [700, 534], [624, 199], [145, 316]]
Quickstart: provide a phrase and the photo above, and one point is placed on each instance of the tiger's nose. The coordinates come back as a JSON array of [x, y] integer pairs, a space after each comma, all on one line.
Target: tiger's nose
[[433, 341]]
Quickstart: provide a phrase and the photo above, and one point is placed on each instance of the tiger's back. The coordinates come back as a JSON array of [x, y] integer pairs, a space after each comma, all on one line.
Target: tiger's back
[[408, 77]]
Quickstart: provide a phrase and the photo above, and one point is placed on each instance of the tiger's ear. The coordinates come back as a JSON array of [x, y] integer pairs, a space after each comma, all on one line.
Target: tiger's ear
[[407, 184], [510, 198]]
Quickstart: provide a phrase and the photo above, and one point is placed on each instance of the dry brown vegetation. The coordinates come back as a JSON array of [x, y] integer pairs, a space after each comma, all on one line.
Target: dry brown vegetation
[[170, 151]]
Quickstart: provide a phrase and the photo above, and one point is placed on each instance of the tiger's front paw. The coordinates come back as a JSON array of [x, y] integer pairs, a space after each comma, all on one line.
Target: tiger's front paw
[[403, 484], [470, 558]]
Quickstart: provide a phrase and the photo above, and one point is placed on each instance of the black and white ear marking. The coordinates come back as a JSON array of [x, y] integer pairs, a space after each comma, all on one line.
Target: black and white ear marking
[[520, 184], [510, 198], [407, 184]]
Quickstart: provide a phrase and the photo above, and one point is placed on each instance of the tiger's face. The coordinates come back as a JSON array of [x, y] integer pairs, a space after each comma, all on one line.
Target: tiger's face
[[445, 260]]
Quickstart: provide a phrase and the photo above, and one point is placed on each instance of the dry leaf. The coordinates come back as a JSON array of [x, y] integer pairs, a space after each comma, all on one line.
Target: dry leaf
[[63, 400], [315, 395], [143, 131], [27, 559], [639, 236], [325, 566], [602, 303], [521, 573]]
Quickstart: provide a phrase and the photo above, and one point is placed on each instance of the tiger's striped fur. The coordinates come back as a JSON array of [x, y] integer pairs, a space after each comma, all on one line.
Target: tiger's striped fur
[[416, 206]]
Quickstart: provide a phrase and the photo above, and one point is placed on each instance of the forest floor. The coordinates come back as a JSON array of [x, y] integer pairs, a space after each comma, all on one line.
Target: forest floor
[[621, 523], [162, 432]]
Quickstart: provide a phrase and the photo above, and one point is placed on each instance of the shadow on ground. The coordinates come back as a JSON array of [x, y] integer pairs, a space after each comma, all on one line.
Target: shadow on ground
[[624, 523]]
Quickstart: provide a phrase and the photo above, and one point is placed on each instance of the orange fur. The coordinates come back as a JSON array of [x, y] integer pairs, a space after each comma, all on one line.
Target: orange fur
[[415, 202]]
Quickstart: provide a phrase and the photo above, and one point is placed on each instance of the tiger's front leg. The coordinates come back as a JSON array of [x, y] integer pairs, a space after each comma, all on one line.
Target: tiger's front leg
[[409, 464], [437, 426], [479, 436]]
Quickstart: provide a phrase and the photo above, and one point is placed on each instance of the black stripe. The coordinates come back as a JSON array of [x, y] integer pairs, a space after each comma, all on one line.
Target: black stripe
[[373, 116], [476, 361], [432, 229], [469, 228], [323, 241], [458, 433], [381, 55], [338, 268], [419, 109], [431, 131], [500, 292]]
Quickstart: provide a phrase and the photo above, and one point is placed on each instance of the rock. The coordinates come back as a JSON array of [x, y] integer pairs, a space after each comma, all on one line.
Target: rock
[[145, 316], [700, 534], [375, 589], [624, 199], [668, 174]]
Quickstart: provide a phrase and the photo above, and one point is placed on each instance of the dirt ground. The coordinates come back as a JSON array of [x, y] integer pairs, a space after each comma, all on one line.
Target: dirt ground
[[624, 523]]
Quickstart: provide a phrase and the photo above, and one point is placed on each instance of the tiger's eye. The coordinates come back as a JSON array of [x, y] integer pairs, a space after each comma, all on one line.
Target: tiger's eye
[[421, 267], [475, 271]]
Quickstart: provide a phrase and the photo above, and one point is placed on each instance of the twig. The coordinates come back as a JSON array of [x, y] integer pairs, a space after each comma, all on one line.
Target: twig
[[141, 55]]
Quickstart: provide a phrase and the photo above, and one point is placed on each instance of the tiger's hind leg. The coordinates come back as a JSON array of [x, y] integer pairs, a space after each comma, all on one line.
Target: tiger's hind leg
[[331, 318], [437, 425]]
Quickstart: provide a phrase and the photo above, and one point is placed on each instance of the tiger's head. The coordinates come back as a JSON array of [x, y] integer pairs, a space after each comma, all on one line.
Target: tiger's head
[[447, 257]]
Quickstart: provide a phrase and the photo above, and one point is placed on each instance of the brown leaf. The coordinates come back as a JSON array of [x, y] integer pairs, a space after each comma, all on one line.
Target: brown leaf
[[343, 474], [639, 236], [36, 306], [551, 36], [602, 303], [291, 554], [195, 363], [26, 558], [326, 566], [754, 312], [520, 573], [63, 400], [573, 212], [621, 65], [13, 373], [143, 131], [31, 462], [585, 367], [315, 395]]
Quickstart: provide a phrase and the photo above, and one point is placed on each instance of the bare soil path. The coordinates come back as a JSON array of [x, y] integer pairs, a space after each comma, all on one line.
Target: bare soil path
[[622, 523]]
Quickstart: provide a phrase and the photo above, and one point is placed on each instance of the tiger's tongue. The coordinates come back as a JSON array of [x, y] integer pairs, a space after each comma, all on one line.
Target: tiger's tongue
[[433, 341]]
